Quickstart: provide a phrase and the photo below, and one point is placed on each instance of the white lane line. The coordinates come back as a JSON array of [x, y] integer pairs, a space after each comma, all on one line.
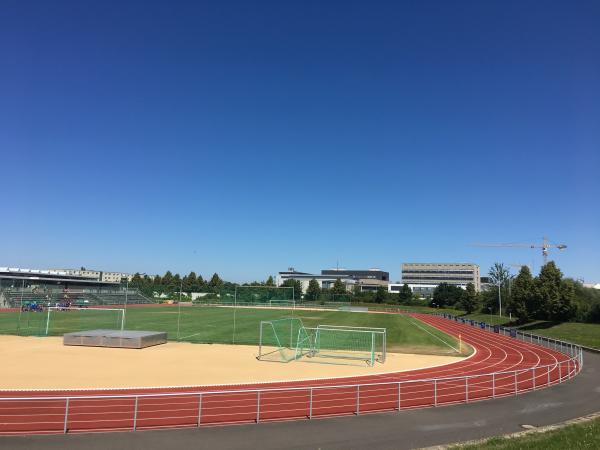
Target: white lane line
[[429, 332]]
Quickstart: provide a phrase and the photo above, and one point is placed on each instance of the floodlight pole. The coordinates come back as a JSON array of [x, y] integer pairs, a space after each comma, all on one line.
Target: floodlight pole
[[179, 308], [499, 299], [21, 308], [48, 321], [234, 309], [125, 309]]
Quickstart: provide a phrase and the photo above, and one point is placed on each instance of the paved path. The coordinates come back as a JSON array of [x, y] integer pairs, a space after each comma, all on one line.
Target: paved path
[[404, 430]]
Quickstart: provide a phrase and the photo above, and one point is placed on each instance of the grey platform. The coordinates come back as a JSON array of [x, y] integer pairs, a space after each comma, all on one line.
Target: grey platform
[[115, 338]]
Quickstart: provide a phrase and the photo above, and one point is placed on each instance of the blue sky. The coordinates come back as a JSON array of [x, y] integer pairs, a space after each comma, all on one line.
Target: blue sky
[[247, 137]]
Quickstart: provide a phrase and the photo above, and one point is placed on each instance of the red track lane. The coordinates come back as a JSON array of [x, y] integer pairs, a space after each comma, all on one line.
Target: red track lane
[[501, 366]]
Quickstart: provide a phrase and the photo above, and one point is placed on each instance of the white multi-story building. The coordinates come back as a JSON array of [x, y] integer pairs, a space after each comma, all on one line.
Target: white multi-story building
[[423, 278], [110, 277], [325, 281]]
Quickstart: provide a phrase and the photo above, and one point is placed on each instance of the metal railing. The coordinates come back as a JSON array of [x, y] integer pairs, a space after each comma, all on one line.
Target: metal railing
[[62, 414]]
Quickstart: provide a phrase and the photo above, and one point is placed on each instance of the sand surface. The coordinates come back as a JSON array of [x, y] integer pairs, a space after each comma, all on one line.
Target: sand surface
[[45, 363]]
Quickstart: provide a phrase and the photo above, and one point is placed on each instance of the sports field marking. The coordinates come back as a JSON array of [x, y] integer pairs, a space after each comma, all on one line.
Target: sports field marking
[[191, 335], [429, 332]]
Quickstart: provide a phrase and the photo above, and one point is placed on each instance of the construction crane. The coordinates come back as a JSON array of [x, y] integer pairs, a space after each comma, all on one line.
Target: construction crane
[[545, 245]]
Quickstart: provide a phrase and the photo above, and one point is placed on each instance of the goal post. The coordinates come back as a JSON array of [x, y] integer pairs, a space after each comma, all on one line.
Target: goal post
[[262, 295], [361, 343], [287, 339], [67, 319], [283, 340]]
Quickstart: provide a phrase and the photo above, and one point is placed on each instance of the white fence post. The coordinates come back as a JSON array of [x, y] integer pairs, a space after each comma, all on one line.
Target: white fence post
[[494, 385], [258, 407], [560, 372], [434, 392], [135, 410], [466, 389], [310, 405], [398, 396], [199, 409], [66, 415], [358, 399]]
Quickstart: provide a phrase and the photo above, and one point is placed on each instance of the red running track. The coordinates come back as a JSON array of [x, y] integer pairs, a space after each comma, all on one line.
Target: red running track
[[501, 366]]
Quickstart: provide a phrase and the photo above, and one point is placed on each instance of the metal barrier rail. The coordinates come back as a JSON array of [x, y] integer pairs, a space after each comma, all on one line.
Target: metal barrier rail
[[62, 414]]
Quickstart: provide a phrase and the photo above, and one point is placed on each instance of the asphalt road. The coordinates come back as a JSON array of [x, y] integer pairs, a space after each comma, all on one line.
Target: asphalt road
[[404, 430]]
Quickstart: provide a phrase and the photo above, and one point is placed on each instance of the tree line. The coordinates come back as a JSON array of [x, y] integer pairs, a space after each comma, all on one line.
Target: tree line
[[170, 283], [548, 296]]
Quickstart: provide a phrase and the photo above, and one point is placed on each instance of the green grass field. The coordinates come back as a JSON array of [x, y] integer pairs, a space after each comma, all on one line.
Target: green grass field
[[587, 334], [212, 324], [216, 324], [576, 437]]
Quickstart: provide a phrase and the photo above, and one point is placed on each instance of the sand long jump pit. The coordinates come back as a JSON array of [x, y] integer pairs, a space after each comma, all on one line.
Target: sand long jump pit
[[45, 363]]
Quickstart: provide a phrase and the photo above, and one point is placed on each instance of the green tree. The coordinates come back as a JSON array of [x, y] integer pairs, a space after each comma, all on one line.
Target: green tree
[[136, 279], [297, 285], [563, 308], [175, 283], [523, 302], [381, 294], [200, 284], [270, 281], [547, 290], [314, 290], [500, 277], [167, 279], [190, 282], [215, 283], [499, 274], [446, 295], [405, 294], [339, 287], [469, 299]]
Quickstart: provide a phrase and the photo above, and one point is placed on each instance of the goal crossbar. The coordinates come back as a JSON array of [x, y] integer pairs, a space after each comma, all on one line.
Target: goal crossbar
[[348, 342]]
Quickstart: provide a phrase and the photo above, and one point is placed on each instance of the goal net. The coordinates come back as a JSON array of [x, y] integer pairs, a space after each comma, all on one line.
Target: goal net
[[60, 320], [359, 343], [283, 340], [287, 339], [263, 295], [282, 303]]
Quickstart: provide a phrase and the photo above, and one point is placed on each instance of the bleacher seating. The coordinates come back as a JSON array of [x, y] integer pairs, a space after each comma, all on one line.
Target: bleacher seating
[[13, 298]]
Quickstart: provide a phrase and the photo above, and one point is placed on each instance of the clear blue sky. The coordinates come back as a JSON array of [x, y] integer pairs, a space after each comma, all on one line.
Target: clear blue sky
[[246, 137]]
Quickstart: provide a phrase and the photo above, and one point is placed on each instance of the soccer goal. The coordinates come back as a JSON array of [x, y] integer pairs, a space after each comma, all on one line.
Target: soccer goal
[[60, 320], [358, 343], [283, 340], [262, 295], [283, 303]]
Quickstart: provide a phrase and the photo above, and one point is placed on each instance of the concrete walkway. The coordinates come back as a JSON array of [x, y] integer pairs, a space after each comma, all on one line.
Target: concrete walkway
[[404, 430]]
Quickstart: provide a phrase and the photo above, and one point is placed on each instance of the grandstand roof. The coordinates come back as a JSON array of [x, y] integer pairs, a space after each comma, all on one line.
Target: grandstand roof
[[49, 276]]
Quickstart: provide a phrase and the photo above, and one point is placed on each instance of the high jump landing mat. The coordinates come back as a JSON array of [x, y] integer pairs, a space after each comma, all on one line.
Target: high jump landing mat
[[115, 338]]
